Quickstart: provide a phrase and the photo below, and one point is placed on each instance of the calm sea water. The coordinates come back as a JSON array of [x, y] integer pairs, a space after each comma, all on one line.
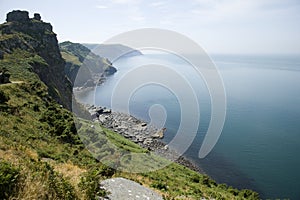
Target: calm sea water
[[259, 145]]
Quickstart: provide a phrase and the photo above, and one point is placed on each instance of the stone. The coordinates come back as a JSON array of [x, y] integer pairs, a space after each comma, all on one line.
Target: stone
[[106, 111], [120, 188], [37, 16], [110, 71], [17, 16], [159, 134], [148, 141], [99, 110]]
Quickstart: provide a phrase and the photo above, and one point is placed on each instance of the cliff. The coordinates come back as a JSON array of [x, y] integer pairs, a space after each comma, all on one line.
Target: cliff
[[35, 38], [112, 51], [92, 67], [41, 154]]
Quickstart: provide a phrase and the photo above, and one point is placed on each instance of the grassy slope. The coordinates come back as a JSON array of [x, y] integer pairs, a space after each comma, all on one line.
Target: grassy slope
[[41, 157]]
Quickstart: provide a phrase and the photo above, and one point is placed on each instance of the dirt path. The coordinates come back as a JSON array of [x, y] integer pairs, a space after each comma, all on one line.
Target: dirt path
[[12, 82], [17, 82]]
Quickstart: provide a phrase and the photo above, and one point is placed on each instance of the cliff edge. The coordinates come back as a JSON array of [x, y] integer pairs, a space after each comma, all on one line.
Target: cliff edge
[[35, 37]]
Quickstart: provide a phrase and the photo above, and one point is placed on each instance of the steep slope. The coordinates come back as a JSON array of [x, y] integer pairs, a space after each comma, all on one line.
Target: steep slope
[[80, 59], [36, 38], [41, 155]]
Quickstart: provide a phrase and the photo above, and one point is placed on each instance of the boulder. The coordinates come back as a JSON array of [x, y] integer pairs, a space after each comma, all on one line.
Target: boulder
[[159, 134], [37, 16], [106, 111], [17, 16]]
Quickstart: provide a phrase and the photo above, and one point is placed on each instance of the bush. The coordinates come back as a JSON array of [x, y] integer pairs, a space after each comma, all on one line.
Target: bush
[[3, 97], [8, 179], [61, 124], [58, 186], [248, 194], [160, 185], [90, 183]]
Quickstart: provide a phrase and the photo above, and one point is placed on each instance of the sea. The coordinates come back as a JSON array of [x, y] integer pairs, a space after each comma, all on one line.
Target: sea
[[259, 144]]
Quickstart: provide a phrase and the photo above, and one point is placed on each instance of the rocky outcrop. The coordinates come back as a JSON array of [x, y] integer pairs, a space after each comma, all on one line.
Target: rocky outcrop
[[90, 68], [36, 37], [37, 16], [17, 16], [128, 126]]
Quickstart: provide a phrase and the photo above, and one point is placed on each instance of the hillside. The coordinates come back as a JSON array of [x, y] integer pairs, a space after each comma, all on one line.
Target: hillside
[[41, 153], [112, 51], [35, 41], [89, 65]]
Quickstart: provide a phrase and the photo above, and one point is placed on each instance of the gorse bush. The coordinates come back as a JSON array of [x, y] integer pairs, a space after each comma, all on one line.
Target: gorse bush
[[90, 183], [3, 97], [8, 179], [61, 124], [61, 188]]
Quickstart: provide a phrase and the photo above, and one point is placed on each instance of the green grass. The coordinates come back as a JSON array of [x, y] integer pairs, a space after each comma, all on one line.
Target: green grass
[[70, 58], [43, 157]]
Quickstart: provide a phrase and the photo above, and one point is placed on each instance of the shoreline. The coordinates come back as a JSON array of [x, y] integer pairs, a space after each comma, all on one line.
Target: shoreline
[[139, 132]]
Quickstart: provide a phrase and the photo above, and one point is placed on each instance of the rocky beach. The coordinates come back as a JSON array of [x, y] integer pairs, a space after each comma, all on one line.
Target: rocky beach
[[140, 132]]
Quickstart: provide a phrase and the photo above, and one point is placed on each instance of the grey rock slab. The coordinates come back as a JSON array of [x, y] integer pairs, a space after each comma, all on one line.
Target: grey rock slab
[[121, 188]]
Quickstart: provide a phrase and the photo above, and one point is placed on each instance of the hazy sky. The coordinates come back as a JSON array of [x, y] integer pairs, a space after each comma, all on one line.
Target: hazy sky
[[219, 26]]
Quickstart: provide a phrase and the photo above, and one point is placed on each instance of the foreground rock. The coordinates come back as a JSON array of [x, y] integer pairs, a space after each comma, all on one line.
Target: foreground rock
[[121, 188]]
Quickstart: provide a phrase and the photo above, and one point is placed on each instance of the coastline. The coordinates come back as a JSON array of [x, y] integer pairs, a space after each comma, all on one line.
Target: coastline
[[139, 132]]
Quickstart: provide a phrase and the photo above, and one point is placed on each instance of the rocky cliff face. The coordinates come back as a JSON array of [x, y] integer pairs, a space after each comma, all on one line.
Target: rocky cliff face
[[92, 68], [32, 35]]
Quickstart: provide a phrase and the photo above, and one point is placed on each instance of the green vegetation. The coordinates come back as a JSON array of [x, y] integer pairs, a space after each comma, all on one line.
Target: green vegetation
[[8, 179], [40, 135], [43, 154], [79, 59]]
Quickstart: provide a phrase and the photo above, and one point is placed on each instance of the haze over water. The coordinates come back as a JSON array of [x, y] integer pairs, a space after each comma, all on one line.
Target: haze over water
[[259, 145]]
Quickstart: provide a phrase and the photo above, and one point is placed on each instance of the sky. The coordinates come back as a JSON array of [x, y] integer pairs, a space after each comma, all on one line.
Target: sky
[[219, 26]]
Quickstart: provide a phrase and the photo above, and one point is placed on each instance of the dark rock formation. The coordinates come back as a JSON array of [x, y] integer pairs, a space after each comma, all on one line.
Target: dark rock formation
[[110, 71], [36, 37], [83, 66], [17, 16], [37, 16]]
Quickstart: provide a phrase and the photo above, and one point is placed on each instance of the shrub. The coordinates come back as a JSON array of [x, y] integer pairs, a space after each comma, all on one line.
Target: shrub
[[160, 185], [3, 97], [59, 187], [90, 183], [248, 194], [8, 179], [61, 124]]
